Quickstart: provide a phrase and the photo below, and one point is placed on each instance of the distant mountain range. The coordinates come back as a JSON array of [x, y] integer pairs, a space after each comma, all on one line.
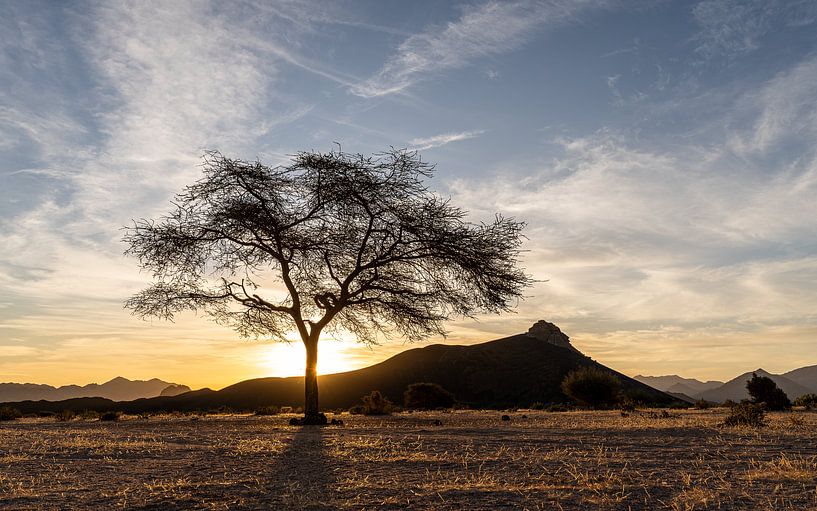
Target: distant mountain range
[[794, 383], [512, 372], [118, 389]]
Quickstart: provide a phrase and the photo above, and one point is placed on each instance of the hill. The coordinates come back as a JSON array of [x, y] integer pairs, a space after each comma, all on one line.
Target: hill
[[735, 389], [510, 372], [675, 383], [117, 389], [805, 376]]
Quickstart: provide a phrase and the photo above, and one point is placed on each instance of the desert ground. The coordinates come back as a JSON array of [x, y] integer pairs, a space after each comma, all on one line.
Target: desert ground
[[467, 460]]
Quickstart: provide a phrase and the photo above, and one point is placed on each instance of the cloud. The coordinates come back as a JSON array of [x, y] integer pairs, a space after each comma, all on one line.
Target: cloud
[[492, 28], [421, 144], [639, 236], [733, 27]]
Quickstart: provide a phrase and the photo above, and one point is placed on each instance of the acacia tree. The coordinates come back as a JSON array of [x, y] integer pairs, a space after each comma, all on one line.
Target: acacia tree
[[357, 243]]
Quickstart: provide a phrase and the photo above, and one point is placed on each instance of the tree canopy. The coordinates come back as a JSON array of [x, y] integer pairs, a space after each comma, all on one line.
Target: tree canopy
[[331, 240]]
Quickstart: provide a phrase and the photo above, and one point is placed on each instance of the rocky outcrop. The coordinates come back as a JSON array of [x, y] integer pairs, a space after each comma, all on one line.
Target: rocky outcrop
[[550, 333]]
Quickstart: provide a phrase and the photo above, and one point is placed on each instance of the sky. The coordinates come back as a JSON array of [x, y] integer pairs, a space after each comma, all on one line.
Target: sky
[[662, 154]]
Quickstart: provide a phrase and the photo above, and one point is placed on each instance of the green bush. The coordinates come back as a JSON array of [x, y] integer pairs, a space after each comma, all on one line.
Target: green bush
[[746, 414], [427, 396], [807, 400], [376, 404], [8, 413], [765, 391], [592, 387], [701, 404]]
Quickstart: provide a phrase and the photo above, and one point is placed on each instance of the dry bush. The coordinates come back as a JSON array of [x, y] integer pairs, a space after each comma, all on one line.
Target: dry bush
[[746, 414], [8, 413], [376, 404], [268, 410]]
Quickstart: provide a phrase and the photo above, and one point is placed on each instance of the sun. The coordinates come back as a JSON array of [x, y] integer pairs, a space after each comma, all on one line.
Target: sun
[[290, 359]]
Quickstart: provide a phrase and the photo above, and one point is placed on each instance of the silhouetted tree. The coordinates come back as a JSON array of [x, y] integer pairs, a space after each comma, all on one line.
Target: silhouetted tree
[[764, 390], [355, 243]]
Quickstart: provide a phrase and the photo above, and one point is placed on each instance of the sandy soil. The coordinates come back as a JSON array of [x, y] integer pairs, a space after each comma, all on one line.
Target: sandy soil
[[473, 460]]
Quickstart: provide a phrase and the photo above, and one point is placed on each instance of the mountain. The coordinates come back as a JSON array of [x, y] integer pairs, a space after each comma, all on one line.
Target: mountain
[[675, 383], [805, 376], [514, 371], [174, 390], [735, 389], [117, 389]]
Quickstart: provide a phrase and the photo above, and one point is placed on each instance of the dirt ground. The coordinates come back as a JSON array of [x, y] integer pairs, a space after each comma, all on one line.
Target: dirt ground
[[472, 460]]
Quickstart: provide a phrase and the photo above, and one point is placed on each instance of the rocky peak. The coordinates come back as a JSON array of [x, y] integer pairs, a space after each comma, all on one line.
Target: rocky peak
[[550, 333]]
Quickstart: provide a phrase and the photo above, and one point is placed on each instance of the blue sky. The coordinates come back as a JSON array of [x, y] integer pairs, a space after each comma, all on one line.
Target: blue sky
[[663, 154]]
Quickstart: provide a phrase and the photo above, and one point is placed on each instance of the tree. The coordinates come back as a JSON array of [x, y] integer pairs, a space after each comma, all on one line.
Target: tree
[[354, 243], [764, 390], [591, 386]]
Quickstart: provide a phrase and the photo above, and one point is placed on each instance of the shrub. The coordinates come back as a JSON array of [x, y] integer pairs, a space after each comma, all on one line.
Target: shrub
[[356, 410], [764, 390], [701, 404], [427, 396], [267, 410], [65, 416], [728, 404], [591, 386], [557, 407], [807, 400], [746, 414], [376, 404], [110, 416], [8, 413], [89, 415]]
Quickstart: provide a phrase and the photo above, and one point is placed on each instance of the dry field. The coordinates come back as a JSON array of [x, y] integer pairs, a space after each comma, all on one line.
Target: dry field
[[473, 460]]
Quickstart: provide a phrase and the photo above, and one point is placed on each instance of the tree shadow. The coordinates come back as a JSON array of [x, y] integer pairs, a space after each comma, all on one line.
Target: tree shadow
[[302, 475]]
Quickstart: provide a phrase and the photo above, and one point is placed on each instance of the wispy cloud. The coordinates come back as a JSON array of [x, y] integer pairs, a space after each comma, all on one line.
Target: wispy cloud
[[492, 28], [421, 144], [733, 27]]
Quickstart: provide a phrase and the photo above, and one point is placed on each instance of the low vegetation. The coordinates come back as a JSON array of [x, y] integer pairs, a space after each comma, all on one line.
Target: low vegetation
[[427, 396], [592, 387], [373, 404], [9, 414], [446, 461], [268, 410], [746, 414], [110, 416], [809, 401]]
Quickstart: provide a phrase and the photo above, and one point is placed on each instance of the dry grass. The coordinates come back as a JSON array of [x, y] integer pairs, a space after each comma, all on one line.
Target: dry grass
[[577, 460]]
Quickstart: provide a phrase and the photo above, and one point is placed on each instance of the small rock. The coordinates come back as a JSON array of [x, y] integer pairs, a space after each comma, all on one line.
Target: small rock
[[336, 422], [506, 417]]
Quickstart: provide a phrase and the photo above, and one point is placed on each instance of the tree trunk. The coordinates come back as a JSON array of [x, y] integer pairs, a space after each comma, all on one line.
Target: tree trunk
[[311, 379], [312, 414]]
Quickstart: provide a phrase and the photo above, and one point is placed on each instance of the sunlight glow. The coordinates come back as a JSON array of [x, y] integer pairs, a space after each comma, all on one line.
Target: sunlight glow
[[290, 359]]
